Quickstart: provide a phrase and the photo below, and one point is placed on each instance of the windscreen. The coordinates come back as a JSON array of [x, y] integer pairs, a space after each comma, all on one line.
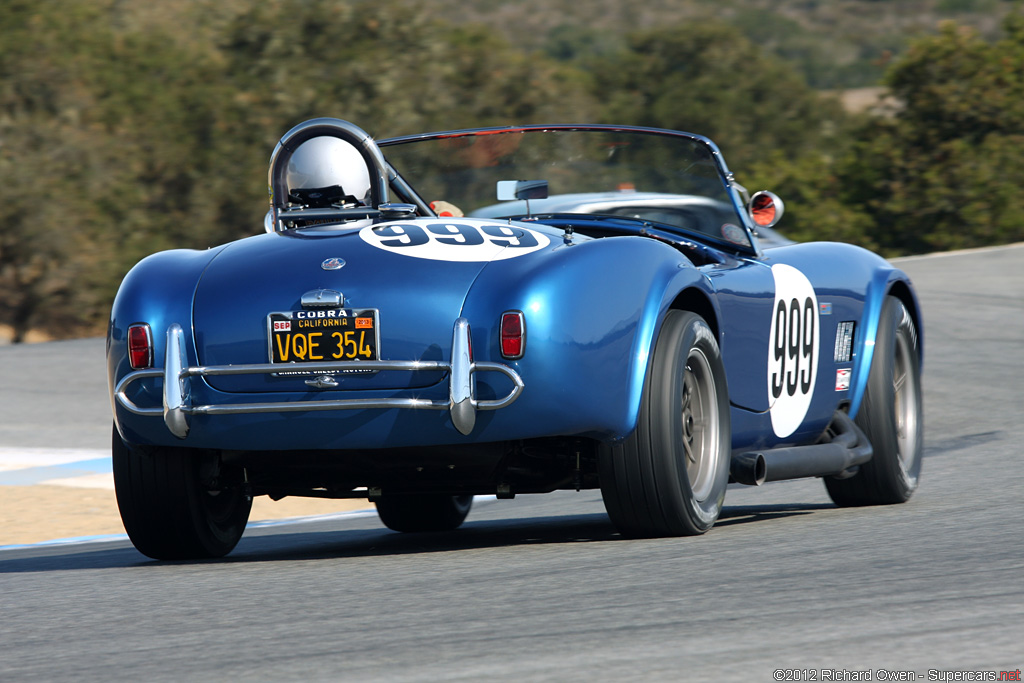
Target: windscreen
[[672, 180]]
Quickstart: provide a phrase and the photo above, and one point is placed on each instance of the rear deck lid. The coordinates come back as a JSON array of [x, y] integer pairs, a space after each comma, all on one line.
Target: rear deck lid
[[391, 290]]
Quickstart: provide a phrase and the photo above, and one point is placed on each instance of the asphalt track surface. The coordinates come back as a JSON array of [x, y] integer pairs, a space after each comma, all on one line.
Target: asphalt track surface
[[541, 588]]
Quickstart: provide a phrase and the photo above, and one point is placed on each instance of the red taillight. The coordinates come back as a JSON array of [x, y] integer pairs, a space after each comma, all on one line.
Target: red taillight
[[140, 346], [513, 334]]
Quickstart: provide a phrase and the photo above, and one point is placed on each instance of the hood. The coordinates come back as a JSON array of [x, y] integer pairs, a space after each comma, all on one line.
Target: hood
[[414, 273]]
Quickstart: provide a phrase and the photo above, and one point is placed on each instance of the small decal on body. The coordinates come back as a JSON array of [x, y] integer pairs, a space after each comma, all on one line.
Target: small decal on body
[[843, 379], [792, 349], [844, 341]]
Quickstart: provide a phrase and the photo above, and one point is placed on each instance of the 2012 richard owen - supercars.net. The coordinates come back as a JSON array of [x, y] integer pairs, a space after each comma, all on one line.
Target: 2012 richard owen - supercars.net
[[506, 311]]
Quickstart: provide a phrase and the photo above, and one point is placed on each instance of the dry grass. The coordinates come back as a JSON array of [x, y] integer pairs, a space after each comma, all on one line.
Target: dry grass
[[33, 336], [32, 514]]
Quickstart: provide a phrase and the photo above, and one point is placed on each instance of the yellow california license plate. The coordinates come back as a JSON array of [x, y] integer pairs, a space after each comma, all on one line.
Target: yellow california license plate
[[312, 336]]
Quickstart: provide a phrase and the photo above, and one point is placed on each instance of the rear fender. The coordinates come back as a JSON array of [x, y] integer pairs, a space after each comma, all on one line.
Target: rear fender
[[592, 312], [159, 291]]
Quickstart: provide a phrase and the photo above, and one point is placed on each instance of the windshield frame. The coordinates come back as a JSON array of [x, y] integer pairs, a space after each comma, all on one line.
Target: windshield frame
[[732, 191]]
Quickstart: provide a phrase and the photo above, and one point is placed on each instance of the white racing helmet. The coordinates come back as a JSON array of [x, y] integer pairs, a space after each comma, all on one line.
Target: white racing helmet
[[324, 170]]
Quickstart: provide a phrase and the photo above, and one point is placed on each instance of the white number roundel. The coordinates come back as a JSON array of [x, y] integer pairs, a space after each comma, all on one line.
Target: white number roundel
[[454, 239], [792, 349]]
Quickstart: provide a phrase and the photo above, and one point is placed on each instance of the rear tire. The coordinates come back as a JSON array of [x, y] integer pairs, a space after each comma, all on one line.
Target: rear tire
[[891, 415], [669, 477], [423, 512], [167, 511]]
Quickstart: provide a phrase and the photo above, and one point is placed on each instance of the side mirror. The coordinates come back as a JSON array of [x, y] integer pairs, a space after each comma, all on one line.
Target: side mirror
[[522, 189], [765, 209]]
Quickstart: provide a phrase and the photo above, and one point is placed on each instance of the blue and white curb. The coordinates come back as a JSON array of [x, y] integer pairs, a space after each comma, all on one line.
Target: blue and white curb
[[80, 540], [75, 467]]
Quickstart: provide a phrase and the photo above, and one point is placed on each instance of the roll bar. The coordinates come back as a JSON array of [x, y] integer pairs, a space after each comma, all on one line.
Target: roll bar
[[343, 130]]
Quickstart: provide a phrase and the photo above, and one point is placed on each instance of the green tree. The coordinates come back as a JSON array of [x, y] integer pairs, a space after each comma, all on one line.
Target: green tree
[[390, 70], [386, 68], [106, 156], [707, 78], [50, 162], [817, 206], [118, 139], [945, 172]]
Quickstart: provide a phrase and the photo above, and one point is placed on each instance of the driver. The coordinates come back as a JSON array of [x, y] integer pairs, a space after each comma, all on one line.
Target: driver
[[327, 172]]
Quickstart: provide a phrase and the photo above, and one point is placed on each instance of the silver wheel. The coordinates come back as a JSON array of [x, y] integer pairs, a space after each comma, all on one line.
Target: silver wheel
[[891, 416], [906, 400], [700, 424], [668, 478]]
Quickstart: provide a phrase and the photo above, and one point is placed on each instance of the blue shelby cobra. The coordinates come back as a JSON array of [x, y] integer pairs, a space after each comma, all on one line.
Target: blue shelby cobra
[[506, 311]]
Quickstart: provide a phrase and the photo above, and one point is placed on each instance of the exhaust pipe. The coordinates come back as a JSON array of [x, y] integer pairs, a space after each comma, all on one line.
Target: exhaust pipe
[[748, 468], [847, 448]]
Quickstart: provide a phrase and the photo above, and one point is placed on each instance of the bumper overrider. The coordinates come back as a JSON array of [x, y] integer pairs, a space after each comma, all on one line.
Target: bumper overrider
[[177, 375]]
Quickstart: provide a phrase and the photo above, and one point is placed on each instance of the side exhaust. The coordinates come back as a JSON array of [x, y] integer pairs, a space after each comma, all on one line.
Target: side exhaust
[[748, 468], [847, 447]]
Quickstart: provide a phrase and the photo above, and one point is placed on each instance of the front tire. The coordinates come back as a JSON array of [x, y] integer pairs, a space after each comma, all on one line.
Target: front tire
[[167, 511], [669, 477], [891, 415], [423, 512]]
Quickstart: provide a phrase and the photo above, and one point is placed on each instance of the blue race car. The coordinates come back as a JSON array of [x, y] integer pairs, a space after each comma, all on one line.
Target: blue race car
[[506, 311]]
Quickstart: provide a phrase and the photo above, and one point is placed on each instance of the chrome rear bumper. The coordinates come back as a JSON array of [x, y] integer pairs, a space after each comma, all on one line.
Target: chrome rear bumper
[[177, 404]]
